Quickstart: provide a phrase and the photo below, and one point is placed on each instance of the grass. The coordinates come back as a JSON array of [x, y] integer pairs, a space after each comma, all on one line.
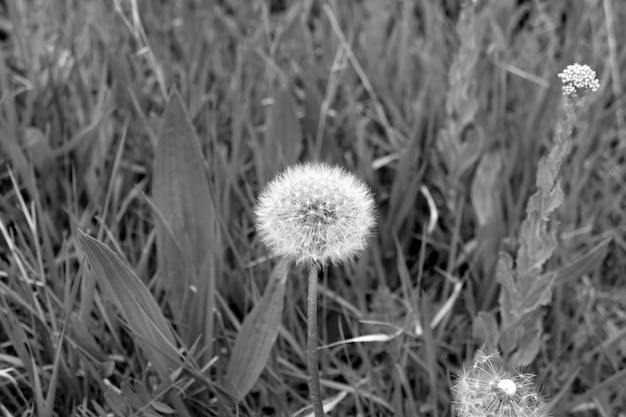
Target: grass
[[444, 113]]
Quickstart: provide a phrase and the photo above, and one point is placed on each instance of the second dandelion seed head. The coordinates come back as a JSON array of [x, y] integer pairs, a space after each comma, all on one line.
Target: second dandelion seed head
[[315, 213], [485, 388]]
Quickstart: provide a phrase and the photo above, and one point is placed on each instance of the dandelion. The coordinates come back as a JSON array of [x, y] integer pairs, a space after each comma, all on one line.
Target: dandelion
[[486, 389], [578, 81], [315, 214]]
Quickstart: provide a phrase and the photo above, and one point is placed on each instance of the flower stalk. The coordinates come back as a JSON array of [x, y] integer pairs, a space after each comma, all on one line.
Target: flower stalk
[[311, 351], [315, 214]]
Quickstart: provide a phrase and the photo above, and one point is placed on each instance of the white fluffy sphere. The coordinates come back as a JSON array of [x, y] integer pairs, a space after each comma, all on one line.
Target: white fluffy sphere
[[315, 213]]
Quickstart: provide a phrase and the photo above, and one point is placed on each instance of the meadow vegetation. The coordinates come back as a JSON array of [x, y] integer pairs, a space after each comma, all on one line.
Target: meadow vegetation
[[136, 137]]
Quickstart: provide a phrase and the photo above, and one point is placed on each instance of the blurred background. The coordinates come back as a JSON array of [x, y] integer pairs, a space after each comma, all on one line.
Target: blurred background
[[443, 107]]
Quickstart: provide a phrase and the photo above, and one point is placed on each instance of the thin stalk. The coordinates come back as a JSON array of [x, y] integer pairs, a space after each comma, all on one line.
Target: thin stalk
[[311, 351]]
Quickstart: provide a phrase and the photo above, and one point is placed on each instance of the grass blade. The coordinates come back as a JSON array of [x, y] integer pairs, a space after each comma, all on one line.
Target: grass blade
[[283, 141], [20, 343]]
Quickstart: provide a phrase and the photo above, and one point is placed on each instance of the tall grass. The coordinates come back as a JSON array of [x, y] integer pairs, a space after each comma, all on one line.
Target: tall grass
[[129, 259]]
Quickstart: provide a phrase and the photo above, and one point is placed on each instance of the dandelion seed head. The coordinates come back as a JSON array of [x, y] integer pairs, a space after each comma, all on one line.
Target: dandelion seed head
[[484, 388], [578, 81], [315, 213]]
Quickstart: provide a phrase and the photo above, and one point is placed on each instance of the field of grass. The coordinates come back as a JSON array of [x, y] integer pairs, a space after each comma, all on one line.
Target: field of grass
[[136, 136]]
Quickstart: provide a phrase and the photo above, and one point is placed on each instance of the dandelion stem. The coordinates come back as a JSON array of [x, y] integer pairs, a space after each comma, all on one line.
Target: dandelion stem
[[312, 354]]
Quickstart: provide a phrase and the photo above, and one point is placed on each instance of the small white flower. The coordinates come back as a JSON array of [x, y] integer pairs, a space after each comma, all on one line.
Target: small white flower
[[484, 389], [315, 213], [578, 81]]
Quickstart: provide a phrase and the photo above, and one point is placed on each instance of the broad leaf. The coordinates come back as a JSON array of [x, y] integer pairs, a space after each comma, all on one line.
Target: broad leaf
[[485, 329], [181, 193], [510, 297], [143, 317], [485, 192], [257, 336]]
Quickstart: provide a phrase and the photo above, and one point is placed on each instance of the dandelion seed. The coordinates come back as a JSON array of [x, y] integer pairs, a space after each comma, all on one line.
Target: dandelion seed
[[315, 214], [578, 81], [485, 389]]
